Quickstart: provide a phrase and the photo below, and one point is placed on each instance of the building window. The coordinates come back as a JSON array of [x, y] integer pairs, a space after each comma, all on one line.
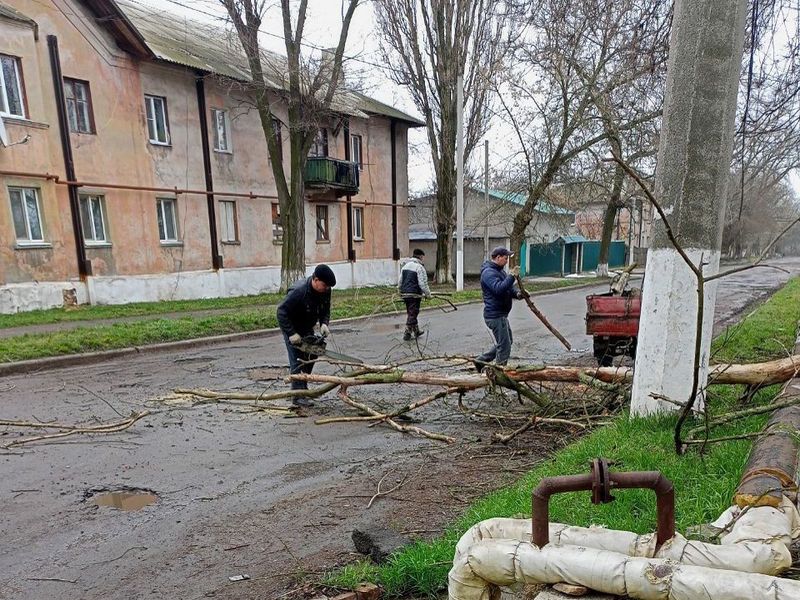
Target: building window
[[26, 214], [79, 106], [276, 128], [323, 231], [93, 220], [277, 224], [320, 145], [167, 221], [157, 124], [355, 150], [11, 99], [229, 225], [358, 222], [222, 128]]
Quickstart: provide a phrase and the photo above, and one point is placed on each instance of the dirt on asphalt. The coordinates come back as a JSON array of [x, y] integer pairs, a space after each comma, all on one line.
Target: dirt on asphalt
[[245, 491]]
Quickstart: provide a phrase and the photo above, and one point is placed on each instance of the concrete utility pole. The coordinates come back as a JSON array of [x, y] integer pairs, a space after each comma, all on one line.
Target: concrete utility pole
[[459, 183], [692, 172], [486, 199]]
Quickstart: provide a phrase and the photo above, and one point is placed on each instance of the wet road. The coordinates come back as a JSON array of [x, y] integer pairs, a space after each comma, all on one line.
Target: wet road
[[278, 489]]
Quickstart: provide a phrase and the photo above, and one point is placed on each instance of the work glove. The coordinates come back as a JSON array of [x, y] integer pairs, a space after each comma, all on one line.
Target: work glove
[[519, 295], [514, 271], [324, 330], [428, 296], [295, 339]]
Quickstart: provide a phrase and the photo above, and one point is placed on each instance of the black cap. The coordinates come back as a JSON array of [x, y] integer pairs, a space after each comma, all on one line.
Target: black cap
[[500, 251], [418, 252], [325, 274]]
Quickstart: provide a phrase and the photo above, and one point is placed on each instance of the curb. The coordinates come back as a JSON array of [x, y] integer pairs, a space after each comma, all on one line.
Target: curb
[[36, 365]]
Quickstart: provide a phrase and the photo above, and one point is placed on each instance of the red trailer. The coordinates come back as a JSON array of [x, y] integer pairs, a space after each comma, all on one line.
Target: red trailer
[[613, 321]]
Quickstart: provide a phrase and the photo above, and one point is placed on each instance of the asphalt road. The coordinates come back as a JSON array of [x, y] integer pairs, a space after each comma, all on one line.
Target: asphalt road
[[239, 491]]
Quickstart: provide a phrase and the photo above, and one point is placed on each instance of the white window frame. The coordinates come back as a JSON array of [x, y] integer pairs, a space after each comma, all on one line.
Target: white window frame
[[150, 102], [359, 160], [323, 233], [277, 228], [93, 202], [4, 107], [222, 133], [358, 223], [228, 222], [162, 223], [28, 239]]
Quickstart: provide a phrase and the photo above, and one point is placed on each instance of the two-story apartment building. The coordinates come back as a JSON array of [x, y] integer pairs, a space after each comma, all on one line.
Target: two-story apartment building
[[133, 166]]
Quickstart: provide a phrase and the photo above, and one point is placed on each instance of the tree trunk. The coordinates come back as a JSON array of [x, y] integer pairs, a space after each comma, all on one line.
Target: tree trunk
[[293, 250], [444, 215], [605, 240]]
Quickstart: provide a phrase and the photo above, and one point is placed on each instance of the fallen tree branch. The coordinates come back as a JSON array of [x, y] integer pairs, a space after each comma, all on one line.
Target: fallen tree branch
[[397, 427], [763, 374], [106, 428], [527, 297], [533, 420]]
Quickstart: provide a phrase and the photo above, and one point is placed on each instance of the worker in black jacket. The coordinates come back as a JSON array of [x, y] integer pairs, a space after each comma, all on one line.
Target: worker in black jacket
[[307, 304]]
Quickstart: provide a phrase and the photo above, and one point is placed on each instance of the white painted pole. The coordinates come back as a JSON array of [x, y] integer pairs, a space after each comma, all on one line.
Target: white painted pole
[[460, 183], [486, 199]]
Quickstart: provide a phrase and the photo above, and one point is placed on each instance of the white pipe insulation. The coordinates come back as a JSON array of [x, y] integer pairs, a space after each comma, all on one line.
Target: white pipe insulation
[[493, 553]]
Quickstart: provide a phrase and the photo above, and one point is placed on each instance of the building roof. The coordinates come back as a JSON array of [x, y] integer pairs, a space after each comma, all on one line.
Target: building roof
[[572, 239], [519, 199], [212, 49]]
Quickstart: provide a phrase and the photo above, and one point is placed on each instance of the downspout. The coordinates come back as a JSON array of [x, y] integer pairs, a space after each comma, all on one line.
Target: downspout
[[84, 265], [393, 138], [216, 258], [351, 252]]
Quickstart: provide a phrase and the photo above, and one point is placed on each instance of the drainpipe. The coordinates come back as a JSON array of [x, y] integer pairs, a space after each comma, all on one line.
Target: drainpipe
[[393, 138], [351, 252], [84, 265], [216, 258]]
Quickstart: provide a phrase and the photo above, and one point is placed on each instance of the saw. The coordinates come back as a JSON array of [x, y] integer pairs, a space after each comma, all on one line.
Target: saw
[[315, 344]]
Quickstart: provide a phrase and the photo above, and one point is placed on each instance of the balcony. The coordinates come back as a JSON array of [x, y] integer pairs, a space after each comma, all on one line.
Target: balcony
[[340, 176]]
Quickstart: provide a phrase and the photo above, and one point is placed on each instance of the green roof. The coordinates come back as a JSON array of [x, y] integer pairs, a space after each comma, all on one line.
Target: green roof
[[519, 199]]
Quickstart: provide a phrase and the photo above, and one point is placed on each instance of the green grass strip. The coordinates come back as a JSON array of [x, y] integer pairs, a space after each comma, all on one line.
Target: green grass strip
[[246, 313], [704, 485]]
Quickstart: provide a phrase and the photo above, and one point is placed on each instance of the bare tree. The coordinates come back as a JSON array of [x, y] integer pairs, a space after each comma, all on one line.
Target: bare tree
[[428, 44], [579, 53], [308, 88]]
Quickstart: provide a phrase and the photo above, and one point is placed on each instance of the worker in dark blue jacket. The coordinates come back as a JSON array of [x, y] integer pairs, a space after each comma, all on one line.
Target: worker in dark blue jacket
[[498, 293], [307, 303]]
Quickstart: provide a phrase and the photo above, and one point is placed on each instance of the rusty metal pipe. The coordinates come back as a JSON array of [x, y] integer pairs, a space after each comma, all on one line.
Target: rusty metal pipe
[[600, 482], [174, 190]]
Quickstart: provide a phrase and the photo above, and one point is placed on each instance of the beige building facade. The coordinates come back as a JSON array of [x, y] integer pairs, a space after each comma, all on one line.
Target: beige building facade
[[123, 165]]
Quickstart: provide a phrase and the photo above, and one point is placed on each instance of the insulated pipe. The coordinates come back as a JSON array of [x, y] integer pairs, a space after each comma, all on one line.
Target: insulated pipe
[[493, 563], [393, 146], [752, 556], [351, 252]]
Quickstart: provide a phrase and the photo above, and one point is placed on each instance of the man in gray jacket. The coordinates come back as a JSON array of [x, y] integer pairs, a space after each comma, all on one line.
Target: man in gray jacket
[[413, 286]]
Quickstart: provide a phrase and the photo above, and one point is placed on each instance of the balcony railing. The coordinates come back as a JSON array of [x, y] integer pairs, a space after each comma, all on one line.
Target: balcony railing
[[324, 173]]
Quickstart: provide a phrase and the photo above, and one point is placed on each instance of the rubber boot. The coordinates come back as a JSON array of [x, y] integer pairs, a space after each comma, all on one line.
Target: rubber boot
[[407, 334], [417, 333]]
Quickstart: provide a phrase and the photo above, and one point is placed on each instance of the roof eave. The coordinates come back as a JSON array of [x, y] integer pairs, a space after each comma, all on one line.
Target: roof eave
[[123, 31]]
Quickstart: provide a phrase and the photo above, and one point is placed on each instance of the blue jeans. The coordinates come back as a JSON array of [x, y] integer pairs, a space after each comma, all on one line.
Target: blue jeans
[[503, 338], [296, 356]]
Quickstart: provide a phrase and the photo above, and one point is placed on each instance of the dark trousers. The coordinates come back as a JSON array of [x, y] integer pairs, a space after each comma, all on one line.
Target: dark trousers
[[296, 356], [503, 338], [412, 312]]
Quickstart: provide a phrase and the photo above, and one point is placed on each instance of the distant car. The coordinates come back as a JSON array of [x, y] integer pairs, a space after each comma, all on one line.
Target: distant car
[[613, 322]]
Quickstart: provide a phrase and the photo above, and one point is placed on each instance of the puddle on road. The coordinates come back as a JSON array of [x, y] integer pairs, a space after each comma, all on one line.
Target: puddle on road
[[127, 500]]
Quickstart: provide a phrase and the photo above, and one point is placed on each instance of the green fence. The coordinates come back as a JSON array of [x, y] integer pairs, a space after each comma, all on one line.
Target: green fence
[[544, 259]]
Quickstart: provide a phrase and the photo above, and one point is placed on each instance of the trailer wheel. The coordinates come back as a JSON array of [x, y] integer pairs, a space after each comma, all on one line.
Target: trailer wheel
[[602, 352]]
